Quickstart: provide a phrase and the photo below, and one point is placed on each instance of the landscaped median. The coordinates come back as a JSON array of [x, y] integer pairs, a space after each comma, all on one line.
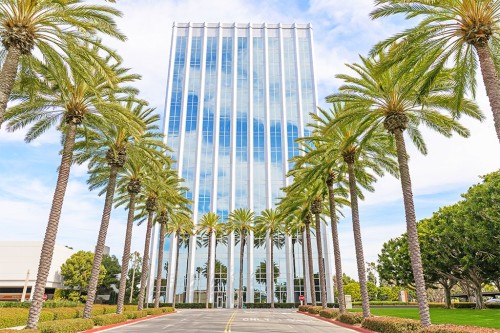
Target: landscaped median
[[68, 320], [383, 324]]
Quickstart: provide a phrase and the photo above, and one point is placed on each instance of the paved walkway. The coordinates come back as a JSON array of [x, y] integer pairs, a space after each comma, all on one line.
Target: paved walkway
[[235, 321]]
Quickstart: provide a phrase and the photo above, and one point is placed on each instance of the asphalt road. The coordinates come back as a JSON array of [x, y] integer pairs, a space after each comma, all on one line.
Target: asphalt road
[[235, 321]]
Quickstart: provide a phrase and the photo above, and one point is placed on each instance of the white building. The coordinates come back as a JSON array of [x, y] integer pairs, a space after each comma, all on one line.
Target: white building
[[19, 257]]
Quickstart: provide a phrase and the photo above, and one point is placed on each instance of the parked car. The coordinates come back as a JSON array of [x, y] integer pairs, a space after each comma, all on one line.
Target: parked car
[[493, 300]]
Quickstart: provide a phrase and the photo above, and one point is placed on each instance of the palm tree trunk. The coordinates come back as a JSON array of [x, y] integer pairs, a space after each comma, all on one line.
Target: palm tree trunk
[[304, 267], [145, 263], [126, 255], [8, 77], [51, 230], [358, 243], [321, 263], [209, 271], [160, 265], [411, 228], [491, 82], [242, 254], [272, 272], [310, 264], [177, 234], [101, 242], [336, 249]]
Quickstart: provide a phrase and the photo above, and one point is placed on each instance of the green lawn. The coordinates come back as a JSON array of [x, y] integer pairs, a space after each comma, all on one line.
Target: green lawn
[[484, 318]]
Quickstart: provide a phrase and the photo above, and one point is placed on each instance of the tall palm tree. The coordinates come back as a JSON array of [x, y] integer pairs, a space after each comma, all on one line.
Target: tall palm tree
[[68, 96], [211, 226], [160, 185], [49, 27], [182, 227], [271, 224], [241, 222], [162, 220], [382, 98], [295, 206], [464, 33], [107, 149]]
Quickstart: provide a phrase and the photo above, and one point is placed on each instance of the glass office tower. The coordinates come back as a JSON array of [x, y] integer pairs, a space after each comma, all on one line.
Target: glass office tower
[[238, 96]]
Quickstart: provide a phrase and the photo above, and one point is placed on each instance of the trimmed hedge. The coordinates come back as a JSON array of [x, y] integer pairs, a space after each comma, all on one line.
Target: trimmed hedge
[[109, 319], [492, 305], [457, 329], [64, 313], [304, 308], [109, 309], [437, 305], [329, 313], [168, 309], [314, 309], [350, 318], [387, 303], [183, 305], [391, 325], [134, 314], [268, 305], [464, 305], [23, 331], [46, 304], [66, 326], [154, 311], [10, 317]]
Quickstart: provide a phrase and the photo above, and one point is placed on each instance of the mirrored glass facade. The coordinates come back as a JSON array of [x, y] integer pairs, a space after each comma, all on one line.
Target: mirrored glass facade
[[238, 97]]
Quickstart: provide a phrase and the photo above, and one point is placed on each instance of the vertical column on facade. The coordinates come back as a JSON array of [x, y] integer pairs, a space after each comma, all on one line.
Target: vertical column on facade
[[171, 271], [307, 284], [267, 155], [327, 238], [168, 102], [153, 255], [250, 268], [231, 240], [215, 161], [301, 134], [284, 151], [196, 190]]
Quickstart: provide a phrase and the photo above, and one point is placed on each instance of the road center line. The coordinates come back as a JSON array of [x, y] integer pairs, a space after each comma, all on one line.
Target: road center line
[[230, 322]]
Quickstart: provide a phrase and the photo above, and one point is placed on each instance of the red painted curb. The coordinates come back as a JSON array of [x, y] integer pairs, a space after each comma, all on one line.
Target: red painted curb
[[128, 322], [338, 323]]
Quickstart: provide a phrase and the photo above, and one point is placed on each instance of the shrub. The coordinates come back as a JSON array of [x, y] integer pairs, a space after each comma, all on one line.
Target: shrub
[[185, 305], [66, 326], [350, 318], [168, 309], [98, 310], [329, 313], [108, 319], [45, 315], [492, 305], [388, 303], [109, 309], [64, 313], [314, 309], [23, 331], [464, 305], [391, 325], [457, 329], [61, 304], [153, 311], [10, 317], [437, 305], [134, 314], [304, 308], [130, 307]]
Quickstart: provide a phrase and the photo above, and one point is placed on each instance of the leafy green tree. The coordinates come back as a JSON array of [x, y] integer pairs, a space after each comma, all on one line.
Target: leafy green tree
[[76, 272], [113, 269], [384, 98], [48, 27], [464, 33], [241, 222], [65, 95], [354, 290]]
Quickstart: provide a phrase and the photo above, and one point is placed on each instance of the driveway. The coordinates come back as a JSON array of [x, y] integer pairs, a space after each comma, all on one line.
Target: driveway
[[235, 321]]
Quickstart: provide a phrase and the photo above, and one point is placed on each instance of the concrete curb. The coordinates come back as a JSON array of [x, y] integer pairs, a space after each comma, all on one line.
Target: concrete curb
[[125, 323], [338, 323]]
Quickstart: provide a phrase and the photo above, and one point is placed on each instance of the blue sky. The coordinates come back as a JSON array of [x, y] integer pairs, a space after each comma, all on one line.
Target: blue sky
[[342, 30]]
